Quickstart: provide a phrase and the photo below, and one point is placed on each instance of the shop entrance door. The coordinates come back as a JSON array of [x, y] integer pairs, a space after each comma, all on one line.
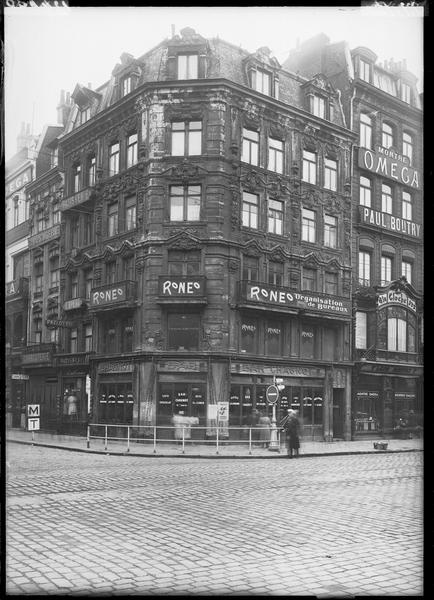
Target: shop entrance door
[[338, 413]]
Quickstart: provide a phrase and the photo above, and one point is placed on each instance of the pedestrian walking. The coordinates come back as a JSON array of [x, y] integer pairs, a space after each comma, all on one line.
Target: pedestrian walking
[[291, 426], [264, 423]]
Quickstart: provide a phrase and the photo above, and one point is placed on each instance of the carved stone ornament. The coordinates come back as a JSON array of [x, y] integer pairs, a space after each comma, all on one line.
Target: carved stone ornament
[[252, 112], [125, 183], [277, 187], [277, 255], [252, 180], [331, 204], [233, 265], [183, 241], [235, 212], [252, 249]]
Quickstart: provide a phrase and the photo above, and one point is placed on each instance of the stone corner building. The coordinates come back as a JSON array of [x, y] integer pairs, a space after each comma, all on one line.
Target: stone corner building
[[207, 242]]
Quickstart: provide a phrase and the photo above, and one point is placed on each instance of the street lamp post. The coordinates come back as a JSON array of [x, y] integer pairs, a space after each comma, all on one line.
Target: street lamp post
[[272, 394]]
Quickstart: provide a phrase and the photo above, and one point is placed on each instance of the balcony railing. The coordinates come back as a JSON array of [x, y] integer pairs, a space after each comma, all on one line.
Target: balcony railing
[[36, 354], [76, 199], [120, 294], [374, 354]]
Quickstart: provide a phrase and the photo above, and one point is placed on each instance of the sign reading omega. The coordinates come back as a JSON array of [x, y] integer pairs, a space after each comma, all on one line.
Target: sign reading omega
[[390, 164]]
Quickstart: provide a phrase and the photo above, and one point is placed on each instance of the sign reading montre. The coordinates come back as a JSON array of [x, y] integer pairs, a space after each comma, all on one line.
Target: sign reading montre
[[388, 163]]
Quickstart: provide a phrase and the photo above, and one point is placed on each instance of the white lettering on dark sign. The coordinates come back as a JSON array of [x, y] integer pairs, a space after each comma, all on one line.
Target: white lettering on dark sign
[[180, 288], [392, 297], [110, 295], [386, 221]]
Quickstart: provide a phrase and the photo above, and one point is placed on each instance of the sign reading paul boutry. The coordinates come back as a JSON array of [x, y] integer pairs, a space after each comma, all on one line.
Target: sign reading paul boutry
[[386, 221], [388, 163], [263, 294]]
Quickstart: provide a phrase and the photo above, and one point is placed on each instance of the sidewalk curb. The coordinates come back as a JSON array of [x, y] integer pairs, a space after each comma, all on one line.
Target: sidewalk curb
[[209, 456]]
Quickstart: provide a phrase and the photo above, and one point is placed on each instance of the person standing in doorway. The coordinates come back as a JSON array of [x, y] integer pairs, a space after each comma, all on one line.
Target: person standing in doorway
[[291, 426]]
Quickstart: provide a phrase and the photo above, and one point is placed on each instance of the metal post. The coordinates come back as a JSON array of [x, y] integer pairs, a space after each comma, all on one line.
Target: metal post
[[274, 444], [183, 448], [105, 438], [250, 440], [217, 440], [128, 438], [88, 437], [155, 440]]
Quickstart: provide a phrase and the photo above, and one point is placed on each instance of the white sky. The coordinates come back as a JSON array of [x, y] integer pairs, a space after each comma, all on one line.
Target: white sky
[[49, 49]]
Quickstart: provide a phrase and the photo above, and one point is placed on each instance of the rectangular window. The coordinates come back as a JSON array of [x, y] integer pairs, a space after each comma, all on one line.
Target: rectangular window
[[386, 270], [396, 335], [273, 338], [249, 333], [309, 279], [183, 331], [365, 131], [386, 199], [113, 225], [364, 70], [38, 331], [128, 268], [407, 206], [40, 221], [406, 270], [330, 231], [275, 155], [126, 86], [386, 136], [309, 166], [308, 340], [275, 273], [74, 285], [88, 229], [73, 340], [183, 263], [54, 272], [130, 213], [110, 272], [38, 271], [331, 283], [114, 159], [91, 170], [56, 213], [361, 330], [365, 192], [261, 81], [88, 282], [127, 330], [88, 338], [318, 106], [308, 226], [250, 147], [405, 92], [131, 150], [77, 178], [250, 268], [330, 174], [84, 115], [275, 216], [407, 146], [187, 66], [75, 229], [16, 209], [109, 337], [364, 268], [186, 138], [250, 210], [185, 203]]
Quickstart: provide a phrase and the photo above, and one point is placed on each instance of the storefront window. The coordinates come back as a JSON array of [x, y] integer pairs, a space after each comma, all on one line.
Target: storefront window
[[308, 341], [116, 403], [189, 398], [366, 411], [273, 337]]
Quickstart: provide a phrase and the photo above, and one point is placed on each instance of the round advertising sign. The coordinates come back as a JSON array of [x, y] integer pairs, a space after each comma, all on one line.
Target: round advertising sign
[[272, 394]]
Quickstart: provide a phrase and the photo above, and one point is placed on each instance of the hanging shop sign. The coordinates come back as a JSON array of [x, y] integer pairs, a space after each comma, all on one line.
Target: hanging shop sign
[[388, 163], [389, 222], [274, 296], [400, 298], [58, 323]]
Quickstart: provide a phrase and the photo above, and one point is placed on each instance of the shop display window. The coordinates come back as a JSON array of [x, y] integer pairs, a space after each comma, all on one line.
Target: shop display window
[[183, 331], [115, 403], [190, 398], [249, 331]]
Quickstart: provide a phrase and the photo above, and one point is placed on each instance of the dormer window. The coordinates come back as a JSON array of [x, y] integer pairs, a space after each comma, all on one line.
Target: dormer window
[[261, 81], [318, 106], [126, 85], [405, 92], [84, 115], [364, 70], [187, 66]]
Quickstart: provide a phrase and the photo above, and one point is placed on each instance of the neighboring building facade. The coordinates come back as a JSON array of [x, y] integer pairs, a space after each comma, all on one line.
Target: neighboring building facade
[[20, 170], [382, 105], [207, 223]]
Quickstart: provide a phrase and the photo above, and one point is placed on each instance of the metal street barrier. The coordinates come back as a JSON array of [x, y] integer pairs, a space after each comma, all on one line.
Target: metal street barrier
[[160, 435]]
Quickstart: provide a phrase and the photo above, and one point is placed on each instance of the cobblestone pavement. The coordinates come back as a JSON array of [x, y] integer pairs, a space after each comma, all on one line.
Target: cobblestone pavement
[[331, 526]]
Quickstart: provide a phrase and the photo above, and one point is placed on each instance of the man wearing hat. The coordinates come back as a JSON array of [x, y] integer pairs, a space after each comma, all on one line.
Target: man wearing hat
[[291, 427]]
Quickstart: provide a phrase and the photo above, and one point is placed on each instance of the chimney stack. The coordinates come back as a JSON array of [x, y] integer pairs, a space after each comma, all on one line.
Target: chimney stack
[[63, 108]]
